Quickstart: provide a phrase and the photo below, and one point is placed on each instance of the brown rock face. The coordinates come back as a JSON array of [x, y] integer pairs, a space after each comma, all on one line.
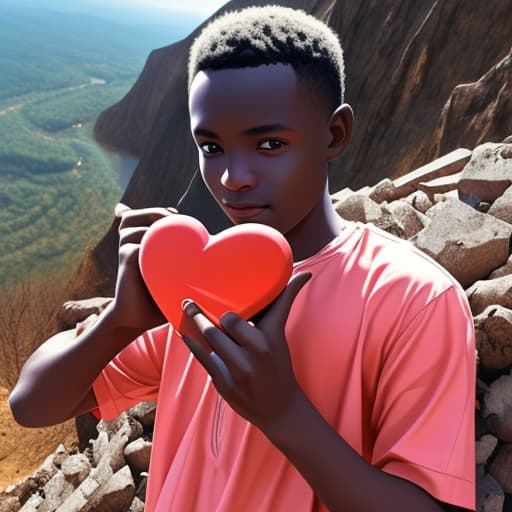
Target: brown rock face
[[403, 61]]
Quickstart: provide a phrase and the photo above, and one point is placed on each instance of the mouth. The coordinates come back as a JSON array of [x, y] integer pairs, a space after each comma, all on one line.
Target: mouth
[[243, 210]]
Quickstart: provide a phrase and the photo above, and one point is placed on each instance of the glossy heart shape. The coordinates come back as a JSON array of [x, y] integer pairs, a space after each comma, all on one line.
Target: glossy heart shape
[[241, 269]]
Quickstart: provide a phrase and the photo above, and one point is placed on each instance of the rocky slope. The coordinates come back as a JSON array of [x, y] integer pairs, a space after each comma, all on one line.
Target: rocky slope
[[405, 61], [457, 209]]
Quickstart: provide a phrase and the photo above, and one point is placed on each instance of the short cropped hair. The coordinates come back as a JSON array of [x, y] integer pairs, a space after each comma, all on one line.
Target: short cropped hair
[[255, 36]]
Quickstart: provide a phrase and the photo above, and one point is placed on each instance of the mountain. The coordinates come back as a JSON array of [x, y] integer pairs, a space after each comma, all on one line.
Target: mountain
[[404, 59]]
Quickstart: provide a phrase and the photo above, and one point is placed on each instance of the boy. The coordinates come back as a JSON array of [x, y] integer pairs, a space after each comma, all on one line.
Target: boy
[[354, 389]]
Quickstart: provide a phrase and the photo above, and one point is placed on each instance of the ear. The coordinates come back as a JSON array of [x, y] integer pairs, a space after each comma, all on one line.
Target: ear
[[340, 128]]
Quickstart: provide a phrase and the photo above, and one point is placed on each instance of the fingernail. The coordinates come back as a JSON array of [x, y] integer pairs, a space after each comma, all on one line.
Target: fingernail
[[185, 303], [171, 209], [120, 208]]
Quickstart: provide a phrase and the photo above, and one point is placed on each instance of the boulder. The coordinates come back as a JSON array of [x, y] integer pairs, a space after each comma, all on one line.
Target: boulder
[[419, 201], [487, 175], [500, 467], [144, 413], [502, 271], [469, 244], [497, 408], [137, 454], [76, 468], [495, 346], [410, 219], [359, 208], [115, 495], [484, 448], [502, 207], [486, 293], [489, 494]]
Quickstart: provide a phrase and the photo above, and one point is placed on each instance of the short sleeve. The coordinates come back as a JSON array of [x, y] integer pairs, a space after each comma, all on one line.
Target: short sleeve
[[133, 375], [423, 415]]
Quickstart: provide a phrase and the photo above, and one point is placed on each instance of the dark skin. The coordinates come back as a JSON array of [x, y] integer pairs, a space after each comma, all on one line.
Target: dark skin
[[264, 147]]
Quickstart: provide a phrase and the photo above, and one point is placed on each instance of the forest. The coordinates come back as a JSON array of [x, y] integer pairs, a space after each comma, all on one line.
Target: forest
[[58, 188]]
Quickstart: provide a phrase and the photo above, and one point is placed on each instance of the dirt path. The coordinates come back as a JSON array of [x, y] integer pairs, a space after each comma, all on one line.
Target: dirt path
[[22, 450]]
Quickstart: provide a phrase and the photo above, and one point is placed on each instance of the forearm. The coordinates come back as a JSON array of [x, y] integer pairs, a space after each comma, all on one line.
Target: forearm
[[342, 479], [59, 374]]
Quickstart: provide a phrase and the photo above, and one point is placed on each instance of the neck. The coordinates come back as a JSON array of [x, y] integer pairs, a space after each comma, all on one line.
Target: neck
[[321, 225]]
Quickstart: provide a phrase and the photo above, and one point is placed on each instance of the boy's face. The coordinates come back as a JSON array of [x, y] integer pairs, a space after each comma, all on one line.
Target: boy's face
[[262, 144]]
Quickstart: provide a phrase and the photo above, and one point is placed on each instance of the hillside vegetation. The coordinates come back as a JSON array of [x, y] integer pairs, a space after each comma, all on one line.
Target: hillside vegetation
[[57, 187]]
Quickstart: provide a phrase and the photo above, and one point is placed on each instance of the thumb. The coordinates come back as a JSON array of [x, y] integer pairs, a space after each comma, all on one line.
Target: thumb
[[278, 312]]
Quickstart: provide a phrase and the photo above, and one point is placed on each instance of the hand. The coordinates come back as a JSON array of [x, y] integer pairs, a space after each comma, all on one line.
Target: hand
[[133, 306], [250, 364]]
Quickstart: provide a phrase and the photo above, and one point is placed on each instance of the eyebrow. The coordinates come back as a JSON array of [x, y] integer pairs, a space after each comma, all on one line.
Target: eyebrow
[[257, 130]]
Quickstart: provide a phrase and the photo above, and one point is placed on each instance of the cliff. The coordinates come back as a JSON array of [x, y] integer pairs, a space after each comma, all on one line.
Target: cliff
[[405, 62]]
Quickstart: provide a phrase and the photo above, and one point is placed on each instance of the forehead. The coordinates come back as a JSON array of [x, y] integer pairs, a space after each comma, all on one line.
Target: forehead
[[262, 94]]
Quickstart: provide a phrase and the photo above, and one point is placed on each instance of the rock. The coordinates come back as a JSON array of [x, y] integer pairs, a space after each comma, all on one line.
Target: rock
[[467, 243], [440, 185], [341, 195], [137, 454], [502, 271], [489, 494], [55, 492], [477, 111], [497, 408], [116, 495], [486, 293], [484, 448], [9, 504], [419, 201], [452, 163], [137, 505], [359, 208], [76, 468], [487, 175], [384, 191], [495, 348], [410, 220], [32, 504], [500, 467], [502, 207], [74, 311], [144, 413]]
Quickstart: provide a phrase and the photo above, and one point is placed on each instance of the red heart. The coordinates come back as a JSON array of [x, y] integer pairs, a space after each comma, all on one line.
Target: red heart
[[241, 269]]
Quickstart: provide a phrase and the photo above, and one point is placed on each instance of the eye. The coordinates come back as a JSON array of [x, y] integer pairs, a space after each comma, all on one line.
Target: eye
[[270, 144], [210, 148]]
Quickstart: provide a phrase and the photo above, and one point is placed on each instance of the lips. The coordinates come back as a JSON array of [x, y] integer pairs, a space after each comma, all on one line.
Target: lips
[[244, 210]]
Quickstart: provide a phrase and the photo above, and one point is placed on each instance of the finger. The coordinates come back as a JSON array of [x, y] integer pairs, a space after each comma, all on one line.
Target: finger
[[119, 209], [227, 348], [131, 235], [203, 356], [244, 332], [143, 216], [278, 312]]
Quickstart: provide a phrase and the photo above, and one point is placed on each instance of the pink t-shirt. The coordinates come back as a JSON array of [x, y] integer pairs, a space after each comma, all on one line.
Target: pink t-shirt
[[381, 340]]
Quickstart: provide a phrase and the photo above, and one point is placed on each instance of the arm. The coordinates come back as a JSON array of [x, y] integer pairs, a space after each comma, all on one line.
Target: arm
[[55, 382], [253, 372]]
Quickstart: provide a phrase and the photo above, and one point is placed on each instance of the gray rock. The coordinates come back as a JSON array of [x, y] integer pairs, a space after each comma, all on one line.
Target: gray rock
[[55, 492], [144, 413], [440, 185], [359, 208], [76, 468], [497, 408], [32, 504], [9, 504], [504, 270], [467, 243], [495, 344], [500, 467], [450, 163], [137, 505], [489, 494], [419, 201], [138, 454], [115, 495], [484, 448], [487, 175], [410, 220], [502, 207], [486, 293], [384, 191]]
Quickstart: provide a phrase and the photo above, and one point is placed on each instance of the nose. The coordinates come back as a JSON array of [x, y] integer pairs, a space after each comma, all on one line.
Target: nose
[[238, 175]]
